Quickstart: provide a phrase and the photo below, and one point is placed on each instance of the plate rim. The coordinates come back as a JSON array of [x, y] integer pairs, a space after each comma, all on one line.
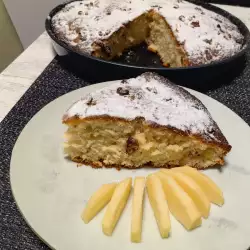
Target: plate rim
[[95, 87]]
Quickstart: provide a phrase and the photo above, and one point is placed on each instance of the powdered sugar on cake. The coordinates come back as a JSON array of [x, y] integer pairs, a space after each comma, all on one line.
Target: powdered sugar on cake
[[153, 98], [205, 35], [96, 19]]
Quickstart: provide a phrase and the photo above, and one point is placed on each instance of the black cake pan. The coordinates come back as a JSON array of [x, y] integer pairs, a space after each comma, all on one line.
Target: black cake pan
[[138, 60], [244, 3]]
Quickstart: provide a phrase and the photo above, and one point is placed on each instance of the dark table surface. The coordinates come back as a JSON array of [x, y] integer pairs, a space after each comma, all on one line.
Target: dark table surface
[[52, 83]]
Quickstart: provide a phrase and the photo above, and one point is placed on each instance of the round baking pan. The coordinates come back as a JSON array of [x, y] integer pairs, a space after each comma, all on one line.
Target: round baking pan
[[138, 60]]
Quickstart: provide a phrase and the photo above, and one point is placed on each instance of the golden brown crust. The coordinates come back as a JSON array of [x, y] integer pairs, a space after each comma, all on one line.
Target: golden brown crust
[[100, 164]]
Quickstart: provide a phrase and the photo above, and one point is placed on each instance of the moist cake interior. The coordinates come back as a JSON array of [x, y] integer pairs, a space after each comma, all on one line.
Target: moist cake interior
[[151, 28], [131, 145]]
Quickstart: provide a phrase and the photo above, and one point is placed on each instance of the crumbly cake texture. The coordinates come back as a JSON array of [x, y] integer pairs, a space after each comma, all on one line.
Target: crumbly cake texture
[[147, 114], [203, 34]]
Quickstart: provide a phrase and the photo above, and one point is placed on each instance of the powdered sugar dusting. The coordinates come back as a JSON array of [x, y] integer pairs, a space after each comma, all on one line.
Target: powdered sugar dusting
[[205, 35], [95, 20], [151, 97]]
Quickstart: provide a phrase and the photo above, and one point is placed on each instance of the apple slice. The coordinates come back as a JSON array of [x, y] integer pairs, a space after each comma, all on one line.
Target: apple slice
[[98, 201], [194, 191], [212, 191], [159, 204], [180, 204], [116, 206], [137, 209]]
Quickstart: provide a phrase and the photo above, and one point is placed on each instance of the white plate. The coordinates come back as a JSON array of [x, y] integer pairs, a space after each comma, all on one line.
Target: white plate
[[51, 191]]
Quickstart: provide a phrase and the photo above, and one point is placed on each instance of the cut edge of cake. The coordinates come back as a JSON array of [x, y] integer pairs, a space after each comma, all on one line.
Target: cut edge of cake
[[150, 28], [100, 139]]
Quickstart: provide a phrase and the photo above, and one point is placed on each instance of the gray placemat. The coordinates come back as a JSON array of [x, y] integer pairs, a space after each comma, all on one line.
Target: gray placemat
[[52, 83]]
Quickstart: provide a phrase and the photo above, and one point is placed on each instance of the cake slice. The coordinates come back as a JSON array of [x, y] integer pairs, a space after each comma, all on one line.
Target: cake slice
[[141, 122]]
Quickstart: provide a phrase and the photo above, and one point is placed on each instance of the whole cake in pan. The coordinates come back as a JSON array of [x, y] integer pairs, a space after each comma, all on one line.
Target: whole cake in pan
[[181, 32], [143, 122]]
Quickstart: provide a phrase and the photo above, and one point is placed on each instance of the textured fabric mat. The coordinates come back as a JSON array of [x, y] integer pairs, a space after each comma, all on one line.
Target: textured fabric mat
[[52, 83]]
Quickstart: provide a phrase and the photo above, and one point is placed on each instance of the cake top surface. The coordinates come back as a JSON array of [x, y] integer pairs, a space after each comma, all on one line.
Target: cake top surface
[[205, 35], [154, 98]]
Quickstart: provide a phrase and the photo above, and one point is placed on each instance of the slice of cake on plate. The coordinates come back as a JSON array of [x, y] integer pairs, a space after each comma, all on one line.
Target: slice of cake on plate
[[140, 122]]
